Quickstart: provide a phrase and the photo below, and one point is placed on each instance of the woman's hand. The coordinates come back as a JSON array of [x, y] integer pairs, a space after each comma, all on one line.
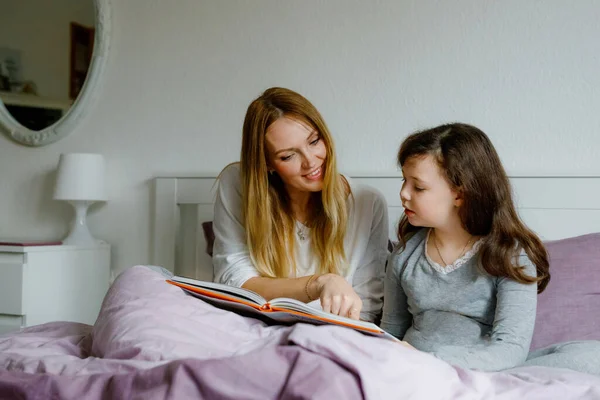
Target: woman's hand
[[337, 296]]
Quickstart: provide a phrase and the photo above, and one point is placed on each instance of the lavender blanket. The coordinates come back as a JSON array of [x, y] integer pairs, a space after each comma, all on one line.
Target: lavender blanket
[[152, 341]]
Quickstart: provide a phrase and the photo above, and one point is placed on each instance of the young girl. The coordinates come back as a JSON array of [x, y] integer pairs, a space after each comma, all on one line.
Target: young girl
[[464, 281]]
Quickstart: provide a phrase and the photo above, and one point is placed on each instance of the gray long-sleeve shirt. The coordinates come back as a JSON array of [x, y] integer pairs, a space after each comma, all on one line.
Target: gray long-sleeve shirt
[[463, 316]]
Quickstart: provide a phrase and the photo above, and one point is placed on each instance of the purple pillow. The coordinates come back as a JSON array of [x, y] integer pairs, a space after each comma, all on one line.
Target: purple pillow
[[569, 308]]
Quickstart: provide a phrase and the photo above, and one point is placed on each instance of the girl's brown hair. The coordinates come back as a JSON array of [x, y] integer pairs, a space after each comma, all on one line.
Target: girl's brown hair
[[470, 164], [266, 210]]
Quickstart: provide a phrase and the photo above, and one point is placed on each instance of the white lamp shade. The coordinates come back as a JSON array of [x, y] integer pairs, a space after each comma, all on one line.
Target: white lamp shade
[[80, 176]]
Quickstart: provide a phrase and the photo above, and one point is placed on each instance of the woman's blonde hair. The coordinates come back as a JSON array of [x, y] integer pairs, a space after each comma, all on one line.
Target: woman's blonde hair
[[266, 209]]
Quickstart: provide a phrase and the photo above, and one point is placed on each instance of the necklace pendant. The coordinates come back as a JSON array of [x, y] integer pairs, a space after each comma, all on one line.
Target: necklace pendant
[[301, 234]]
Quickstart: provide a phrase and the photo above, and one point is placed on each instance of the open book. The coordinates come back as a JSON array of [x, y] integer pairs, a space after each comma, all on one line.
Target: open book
[[280, 310]]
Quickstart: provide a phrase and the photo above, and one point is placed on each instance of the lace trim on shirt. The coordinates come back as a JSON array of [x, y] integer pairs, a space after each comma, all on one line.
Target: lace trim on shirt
[[459, 262]]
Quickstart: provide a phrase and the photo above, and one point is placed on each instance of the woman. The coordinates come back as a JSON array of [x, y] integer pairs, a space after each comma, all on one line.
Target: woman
[[287, 224]]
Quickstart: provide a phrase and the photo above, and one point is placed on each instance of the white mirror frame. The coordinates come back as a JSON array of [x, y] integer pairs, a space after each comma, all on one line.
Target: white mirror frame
[[84, 101]]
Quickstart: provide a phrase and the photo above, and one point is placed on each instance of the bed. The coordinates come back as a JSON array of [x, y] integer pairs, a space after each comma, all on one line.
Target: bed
[[153, 341]]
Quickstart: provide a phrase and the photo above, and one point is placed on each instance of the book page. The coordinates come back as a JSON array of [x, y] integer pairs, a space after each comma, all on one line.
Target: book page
[[298, 306], [218, 287]]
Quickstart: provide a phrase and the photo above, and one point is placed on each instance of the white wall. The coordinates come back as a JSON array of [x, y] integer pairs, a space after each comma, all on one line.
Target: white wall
[[181, 75], [40, 29]]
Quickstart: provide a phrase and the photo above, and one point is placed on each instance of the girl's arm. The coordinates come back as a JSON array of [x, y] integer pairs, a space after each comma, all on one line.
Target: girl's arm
[[396, 318], [512, 331], [370, 273]]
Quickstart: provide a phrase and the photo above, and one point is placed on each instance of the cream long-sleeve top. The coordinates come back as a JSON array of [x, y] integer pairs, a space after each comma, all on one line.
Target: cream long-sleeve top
[[365, 242]]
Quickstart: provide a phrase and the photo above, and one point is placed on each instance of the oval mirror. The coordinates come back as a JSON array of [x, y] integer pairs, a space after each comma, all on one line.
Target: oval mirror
[[52, 56]]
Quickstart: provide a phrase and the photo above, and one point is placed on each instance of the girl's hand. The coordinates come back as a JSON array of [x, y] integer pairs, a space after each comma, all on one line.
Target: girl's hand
[[337, 296], [407, 345]]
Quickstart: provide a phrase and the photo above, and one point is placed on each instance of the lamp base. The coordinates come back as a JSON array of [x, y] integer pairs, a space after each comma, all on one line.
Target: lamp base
[[80, 234]]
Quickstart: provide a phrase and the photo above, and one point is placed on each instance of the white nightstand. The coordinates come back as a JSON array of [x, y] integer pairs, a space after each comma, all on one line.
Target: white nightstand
[[40, 284]]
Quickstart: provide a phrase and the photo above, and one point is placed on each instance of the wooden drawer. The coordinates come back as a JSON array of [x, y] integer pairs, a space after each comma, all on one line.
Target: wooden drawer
[[11, 288]]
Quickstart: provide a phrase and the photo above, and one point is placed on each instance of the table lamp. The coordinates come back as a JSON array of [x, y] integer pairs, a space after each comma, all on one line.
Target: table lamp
[[80, 180]]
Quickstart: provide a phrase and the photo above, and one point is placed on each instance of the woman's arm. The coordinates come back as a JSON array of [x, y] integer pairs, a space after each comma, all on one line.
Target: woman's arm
[[231, 258], [335, 293], [271, 288], [370, 273]]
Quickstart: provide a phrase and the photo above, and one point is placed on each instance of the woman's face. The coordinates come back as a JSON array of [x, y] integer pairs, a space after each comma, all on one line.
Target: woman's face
[[297, 153]]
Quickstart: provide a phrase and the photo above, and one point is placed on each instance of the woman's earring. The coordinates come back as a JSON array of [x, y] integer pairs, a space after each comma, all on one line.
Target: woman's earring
[[271, 172]]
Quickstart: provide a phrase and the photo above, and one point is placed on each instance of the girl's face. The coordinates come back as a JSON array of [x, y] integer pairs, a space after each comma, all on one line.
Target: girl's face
[[297, 153], [427, 197]]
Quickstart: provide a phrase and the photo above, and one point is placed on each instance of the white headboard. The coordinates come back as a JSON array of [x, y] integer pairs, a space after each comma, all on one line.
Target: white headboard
[[554, 207]]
